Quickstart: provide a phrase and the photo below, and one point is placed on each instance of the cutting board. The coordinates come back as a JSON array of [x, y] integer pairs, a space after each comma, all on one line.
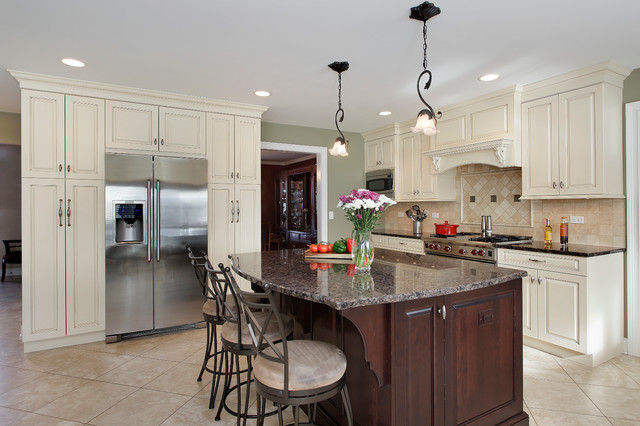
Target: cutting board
[[328, 257]]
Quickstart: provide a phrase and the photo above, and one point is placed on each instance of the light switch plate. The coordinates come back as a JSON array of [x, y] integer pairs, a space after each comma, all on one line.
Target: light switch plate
[[330, 215], [435, 215], [577, 219]]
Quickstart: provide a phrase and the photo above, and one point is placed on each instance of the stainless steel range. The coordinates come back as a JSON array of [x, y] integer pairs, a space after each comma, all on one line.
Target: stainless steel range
[[469, 245]]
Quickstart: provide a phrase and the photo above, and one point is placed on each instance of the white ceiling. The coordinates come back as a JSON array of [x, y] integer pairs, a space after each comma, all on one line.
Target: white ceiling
[[228, 49]]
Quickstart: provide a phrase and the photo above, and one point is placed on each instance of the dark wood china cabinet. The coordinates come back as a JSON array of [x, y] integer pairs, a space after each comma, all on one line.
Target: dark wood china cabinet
[[296, 206]]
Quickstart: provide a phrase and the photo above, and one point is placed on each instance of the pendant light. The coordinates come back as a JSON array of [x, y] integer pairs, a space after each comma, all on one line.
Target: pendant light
[[426, 122], [341, 144]]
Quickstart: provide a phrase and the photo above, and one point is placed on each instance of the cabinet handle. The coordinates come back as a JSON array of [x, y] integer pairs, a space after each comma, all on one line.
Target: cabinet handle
[[60, 211], [237, 175], [155, 141], [69, 212], [539, 280], [231, 175], [68, 168], [554, 185], [537, 260], [233, 211], [561, 184], [60, 167], [161, 141], [532, 278], [443, 311], [238, 212]]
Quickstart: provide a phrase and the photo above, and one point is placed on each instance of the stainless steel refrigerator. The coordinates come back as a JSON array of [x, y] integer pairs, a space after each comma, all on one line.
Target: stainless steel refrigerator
[[155, 206]]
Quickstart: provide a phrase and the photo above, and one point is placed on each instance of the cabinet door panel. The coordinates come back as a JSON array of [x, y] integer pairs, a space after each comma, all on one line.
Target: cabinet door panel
[[42, 134], [85, 256], [450, 131], [132, 126], [540, 147], [222, 219], [561, 310], [43, 262], [580, 154], [387, 153], [247, 151], [248, 211], [489, 122], [419, 356], [182, 131], [220, 147], [530, 303], [407, 175], [84, 141], [371, 156]]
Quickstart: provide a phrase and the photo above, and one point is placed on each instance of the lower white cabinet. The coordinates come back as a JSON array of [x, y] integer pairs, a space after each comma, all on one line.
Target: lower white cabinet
[[408, 245], [63, 259], [234, 221], [571, 302]]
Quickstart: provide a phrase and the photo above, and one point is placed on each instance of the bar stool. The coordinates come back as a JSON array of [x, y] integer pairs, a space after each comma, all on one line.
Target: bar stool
[[297, 372], [235, 336]]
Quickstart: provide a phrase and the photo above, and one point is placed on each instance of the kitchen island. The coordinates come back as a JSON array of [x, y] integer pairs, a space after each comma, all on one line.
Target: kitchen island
[[428, 339]]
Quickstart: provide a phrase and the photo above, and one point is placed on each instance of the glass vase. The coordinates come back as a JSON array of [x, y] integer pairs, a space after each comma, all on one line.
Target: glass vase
[[362, 251]]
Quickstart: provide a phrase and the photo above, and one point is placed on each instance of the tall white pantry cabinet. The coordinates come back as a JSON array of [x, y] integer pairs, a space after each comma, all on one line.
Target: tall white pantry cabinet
[[67, 125]]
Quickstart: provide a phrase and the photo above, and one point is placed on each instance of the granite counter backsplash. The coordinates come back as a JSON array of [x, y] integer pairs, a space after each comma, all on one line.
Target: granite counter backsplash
[[580, 250], [395, 277]]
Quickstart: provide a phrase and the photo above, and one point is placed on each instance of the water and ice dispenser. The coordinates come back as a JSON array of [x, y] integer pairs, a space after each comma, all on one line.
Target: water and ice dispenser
[[129, 222]]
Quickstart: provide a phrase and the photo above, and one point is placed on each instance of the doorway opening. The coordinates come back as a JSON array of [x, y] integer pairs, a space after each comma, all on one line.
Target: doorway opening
[[294, 195]]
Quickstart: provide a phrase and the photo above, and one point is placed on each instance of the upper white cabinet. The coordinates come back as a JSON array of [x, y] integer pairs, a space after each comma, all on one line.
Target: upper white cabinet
[[63, 136], [139, 127], [416, 179], [234, 149], [572, 135], [379, 154]]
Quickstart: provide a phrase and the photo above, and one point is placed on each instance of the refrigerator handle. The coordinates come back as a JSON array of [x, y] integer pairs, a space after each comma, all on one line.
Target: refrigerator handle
[[157, 236], [149, 220]]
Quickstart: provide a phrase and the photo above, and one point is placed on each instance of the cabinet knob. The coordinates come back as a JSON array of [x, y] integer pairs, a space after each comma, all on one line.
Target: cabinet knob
[[155, 141], [161, 141], [532, 279], [539, 280], [443, 311], [237, 175], [60, 167], [554, 185], [231, 175], [561, 184], [68, 168]]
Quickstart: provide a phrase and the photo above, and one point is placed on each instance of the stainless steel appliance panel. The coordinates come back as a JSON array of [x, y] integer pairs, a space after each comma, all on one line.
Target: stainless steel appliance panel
[[129, 271], [180, 191]]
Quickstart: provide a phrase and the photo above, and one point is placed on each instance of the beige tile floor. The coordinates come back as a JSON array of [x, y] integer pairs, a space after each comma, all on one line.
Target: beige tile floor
[[152, 381]]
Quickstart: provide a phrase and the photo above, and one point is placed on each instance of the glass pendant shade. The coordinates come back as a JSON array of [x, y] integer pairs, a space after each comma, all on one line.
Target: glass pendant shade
[[339, 148], [426, 124]]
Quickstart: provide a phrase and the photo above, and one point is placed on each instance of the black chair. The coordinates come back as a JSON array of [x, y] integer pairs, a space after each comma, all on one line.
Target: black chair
[[297, 372], [236, 338], [13, 254], [212, 318]]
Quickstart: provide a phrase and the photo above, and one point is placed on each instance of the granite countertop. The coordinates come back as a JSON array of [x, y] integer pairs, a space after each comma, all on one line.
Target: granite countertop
[[400, 233], [580, 250], [395, 277]]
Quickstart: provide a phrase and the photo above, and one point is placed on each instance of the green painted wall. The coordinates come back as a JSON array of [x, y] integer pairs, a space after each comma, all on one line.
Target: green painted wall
[[631, 91], [345, 173], [9, 128]]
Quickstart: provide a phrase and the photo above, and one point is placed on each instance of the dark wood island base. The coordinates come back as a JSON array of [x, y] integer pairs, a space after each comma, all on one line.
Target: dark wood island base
[[407, 365]]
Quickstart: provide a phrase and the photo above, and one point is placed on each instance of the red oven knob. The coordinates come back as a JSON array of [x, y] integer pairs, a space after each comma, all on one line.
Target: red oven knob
[[474, 252], [447, 249], [462, 251], [481, 253], [430, 246], [437, 247]]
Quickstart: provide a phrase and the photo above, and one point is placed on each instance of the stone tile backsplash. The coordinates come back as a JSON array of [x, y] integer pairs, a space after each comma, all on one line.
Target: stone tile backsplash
[[604, 219]]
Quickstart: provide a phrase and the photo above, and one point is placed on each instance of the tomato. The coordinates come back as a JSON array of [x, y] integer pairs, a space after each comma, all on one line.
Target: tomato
[[323, 266], [323, 248], [351, 270], [350, 243], [313, 266], [313, 248], [330, 247]]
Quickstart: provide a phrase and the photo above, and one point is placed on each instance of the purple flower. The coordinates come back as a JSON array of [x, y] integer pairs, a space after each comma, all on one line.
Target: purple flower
[[381, 208], [343, 198], [359, 216]]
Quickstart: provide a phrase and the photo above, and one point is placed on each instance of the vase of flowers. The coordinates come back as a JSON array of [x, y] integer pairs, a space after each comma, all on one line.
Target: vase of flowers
[[363, 208]]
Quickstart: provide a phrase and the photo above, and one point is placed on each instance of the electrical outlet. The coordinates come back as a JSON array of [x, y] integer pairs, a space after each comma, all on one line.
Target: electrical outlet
[[577, 219], [330, 215], [400, 214], [435, 215]]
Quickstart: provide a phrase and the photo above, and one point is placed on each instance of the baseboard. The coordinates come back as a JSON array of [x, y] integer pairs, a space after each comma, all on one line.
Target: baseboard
[[58, 342]]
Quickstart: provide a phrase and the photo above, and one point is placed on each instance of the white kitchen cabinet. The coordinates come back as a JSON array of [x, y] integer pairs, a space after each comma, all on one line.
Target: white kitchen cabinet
[[234, 149], [133, 127], [572, 144], [63, 136], [408, 245], [379, 154], [63, 258], [571, 303], [234, 221], [416, 180]]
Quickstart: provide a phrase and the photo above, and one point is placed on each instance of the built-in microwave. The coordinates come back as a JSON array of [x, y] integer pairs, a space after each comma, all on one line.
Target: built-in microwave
[[380, 181]]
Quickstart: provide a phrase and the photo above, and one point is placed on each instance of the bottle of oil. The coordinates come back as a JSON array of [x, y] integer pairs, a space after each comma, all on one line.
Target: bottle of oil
[[564, 231], [548, 235]]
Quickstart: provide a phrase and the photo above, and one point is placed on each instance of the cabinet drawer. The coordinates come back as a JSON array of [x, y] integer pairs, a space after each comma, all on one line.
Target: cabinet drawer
[[543, 262], [380, 241], [410, 245]]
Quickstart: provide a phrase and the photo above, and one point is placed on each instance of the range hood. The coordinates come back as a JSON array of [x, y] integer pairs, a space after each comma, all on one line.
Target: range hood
[[497, 153]]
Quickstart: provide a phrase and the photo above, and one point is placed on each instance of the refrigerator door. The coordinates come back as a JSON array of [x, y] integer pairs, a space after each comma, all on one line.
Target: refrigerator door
[[180, 188], [129, 270]]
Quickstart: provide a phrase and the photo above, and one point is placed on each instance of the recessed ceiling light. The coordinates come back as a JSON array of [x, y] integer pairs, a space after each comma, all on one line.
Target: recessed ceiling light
[[72, 62], [489, 77], [384, 113], [262, 93]]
